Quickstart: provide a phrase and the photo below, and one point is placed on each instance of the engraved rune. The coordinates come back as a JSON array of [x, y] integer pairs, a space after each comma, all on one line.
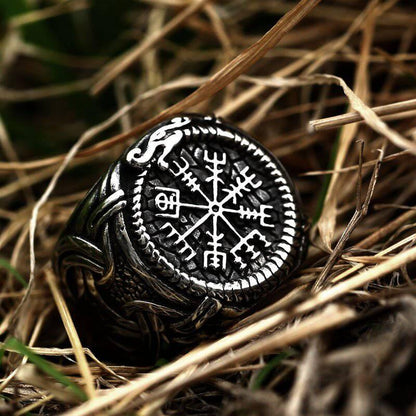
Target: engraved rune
[[169, 205]]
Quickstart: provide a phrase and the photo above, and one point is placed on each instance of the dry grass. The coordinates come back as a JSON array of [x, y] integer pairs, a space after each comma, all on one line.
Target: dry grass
[[329, 88]]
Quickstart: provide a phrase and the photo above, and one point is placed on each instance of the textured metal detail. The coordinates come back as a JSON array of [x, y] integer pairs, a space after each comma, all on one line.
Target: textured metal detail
[[190, 226]]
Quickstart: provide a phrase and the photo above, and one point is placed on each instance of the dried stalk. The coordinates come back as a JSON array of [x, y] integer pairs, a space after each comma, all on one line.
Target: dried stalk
[[354, 117]]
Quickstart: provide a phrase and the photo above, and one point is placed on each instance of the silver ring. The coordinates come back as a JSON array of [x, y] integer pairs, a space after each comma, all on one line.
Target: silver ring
[[189, 228]]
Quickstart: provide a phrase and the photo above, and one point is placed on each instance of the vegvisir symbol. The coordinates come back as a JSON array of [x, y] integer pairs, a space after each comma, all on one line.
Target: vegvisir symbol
[[169, 205]]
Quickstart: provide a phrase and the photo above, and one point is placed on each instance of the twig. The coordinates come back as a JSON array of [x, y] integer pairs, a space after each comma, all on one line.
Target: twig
[[34, 405], [48, 12], [10, 152], [355, 116], [16, 96], [387, 229], [305, 374], [72, 333], [360, 212], [388, 158]]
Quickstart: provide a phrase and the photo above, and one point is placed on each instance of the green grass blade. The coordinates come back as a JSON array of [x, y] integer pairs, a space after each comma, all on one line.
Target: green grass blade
[[265, 372], [6, 265], [45, 366]]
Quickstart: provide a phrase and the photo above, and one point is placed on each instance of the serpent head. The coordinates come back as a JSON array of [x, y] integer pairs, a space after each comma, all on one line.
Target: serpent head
[[167, 137]]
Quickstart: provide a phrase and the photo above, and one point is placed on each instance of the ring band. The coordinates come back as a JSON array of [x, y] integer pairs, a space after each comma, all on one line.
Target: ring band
[[189, 228]]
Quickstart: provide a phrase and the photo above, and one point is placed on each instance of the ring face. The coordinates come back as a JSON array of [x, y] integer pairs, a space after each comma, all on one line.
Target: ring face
[[217, 211]]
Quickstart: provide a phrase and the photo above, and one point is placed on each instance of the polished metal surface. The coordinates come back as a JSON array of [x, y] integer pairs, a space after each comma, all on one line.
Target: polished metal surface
[[188, 229]]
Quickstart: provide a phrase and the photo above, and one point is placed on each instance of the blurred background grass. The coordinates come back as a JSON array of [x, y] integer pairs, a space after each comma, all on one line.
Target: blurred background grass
[[63, 49]]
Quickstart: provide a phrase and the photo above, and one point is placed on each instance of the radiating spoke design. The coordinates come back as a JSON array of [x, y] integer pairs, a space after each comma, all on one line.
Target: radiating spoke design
[[168, 204]]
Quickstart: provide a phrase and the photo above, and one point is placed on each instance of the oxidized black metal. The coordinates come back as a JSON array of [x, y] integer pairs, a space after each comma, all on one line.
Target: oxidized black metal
[[193, 224]]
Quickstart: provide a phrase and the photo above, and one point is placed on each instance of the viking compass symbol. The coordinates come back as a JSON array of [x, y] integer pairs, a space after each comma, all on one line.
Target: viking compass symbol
[[222, 203]]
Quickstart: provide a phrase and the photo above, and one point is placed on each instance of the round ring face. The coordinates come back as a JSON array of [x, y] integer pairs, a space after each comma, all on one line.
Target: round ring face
[[211, 208]]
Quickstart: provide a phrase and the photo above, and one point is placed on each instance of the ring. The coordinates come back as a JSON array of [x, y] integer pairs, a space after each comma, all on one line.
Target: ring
[[193, 225]]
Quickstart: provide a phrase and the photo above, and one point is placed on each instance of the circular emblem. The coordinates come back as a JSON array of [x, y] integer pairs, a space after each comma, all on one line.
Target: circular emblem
[[210, 210]]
